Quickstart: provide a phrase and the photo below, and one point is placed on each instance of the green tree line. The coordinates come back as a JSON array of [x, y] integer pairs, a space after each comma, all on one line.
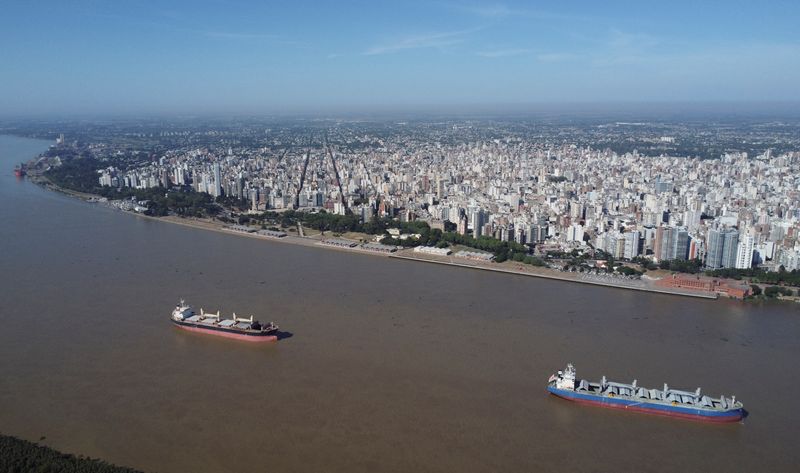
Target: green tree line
[[757, 275], [21, 456], [80, 174]]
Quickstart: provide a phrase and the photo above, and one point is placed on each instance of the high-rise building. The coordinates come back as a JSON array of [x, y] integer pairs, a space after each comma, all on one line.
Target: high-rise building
[[671, 243], [662, 186], [680, 244], [462, 224], [744, 253], [537, 233], [632, 245], [721, 248], [575, 232], [617, 249], [729, 252], [477, 220], [658, 242], [696, 250], [217, 189], [714, 246], [667, 243], [692, 219], [366, 213]]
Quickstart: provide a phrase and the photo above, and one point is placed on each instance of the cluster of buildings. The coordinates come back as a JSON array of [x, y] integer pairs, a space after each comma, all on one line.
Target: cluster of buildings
[[735, 211]]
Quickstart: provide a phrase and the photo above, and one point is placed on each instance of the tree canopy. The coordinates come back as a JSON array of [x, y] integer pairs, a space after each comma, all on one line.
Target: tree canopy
[[21, 456]]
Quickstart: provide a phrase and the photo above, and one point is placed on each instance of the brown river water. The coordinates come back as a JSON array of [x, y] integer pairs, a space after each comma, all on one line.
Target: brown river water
[[391, 365]]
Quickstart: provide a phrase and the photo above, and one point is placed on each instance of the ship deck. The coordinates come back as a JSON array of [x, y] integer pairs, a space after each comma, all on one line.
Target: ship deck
[[656, 396]]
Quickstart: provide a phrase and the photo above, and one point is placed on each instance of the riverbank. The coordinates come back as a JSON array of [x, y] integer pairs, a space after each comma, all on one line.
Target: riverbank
[[20, 455], [508, 267], [558, 276], [41, 180]]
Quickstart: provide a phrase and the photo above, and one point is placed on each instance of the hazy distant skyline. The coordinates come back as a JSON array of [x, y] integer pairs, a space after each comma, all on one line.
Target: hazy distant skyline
[[250, 57]]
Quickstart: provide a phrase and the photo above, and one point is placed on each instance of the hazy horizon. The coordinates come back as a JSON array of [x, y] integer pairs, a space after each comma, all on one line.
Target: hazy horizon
[[242, 58], [612, 111]]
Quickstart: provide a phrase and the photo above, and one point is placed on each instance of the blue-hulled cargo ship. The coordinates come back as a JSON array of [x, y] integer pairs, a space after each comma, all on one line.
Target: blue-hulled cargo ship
[[665, 402]]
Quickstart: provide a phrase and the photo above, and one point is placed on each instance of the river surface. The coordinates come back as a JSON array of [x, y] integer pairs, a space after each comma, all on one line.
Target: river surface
[[391, 365]]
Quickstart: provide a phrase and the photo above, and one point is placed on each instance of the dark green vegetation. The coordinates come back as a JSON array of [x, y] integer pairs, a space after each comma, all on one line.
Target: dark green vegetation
[[80, 174], [502, 250], [528, 259], [692, 266], [775, 291], [183, 202], [77, 174], [780, 277], [325, 221], [770, 292], [21, 456], [576, 260], [322, 221], [628, 271]]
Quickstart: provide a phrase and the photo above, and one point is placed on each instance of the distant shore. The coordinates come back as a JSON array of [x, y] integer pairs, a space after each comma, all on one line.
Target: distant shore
[[508, 267]]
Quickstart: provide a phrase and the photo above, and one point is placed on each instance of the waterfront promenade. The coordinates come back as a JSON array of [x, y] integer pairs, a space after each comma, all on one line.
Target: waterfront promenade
[[508, 267]]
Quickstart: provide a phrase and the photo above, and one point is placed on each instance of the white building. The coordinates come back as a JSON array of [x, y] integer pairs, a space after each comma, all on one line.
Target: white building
[[631, 245], [744, 253], [575, 233]]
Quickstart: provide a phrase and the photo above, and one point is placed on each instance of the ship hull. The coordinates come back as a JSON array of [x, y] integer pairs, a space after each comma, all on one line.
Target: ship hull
[[219, 332], [733, 415]]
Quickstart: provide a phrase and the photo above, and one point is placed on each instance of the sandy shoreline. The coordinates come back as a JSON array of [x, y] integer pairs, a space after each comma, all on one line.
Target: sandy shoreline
[[403, 254]]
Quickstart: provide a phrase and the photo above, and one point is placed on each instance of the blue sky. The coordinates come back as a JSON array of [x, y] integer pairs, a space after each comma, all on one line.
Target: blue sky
[[137, 56]]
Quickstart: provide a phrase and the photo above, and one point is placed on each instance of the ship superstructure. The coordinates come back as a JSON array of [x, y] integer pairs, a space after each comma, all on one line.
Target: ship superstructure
[[239, 328], [667, 402]]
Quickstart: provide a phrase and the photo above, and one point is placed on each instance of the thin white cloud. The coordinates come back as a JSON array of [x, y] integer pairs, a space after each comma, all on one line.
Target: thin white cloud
[[254, 37], [556, 57], [503, 53], [624, 40], [500, 10], [489, 11], [237, 35], [622, 47], [425, 41]]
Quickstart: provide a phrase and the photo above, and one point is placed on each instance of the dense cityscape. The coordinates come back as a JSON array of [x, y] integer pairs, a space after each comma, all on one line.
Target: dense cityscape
[[510, 181]]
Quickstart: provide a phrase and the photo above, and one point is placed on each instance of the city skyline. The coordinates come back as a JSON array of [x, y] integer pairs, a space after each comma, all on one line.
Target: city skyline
[[209, 57], [658, 202], [420, 210]]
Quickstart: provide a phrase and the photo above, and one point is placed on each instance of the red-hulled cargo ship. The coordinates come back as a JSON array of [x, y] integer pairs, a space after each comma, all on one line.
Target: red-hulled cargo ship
[[19, 170], [238, 328]]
